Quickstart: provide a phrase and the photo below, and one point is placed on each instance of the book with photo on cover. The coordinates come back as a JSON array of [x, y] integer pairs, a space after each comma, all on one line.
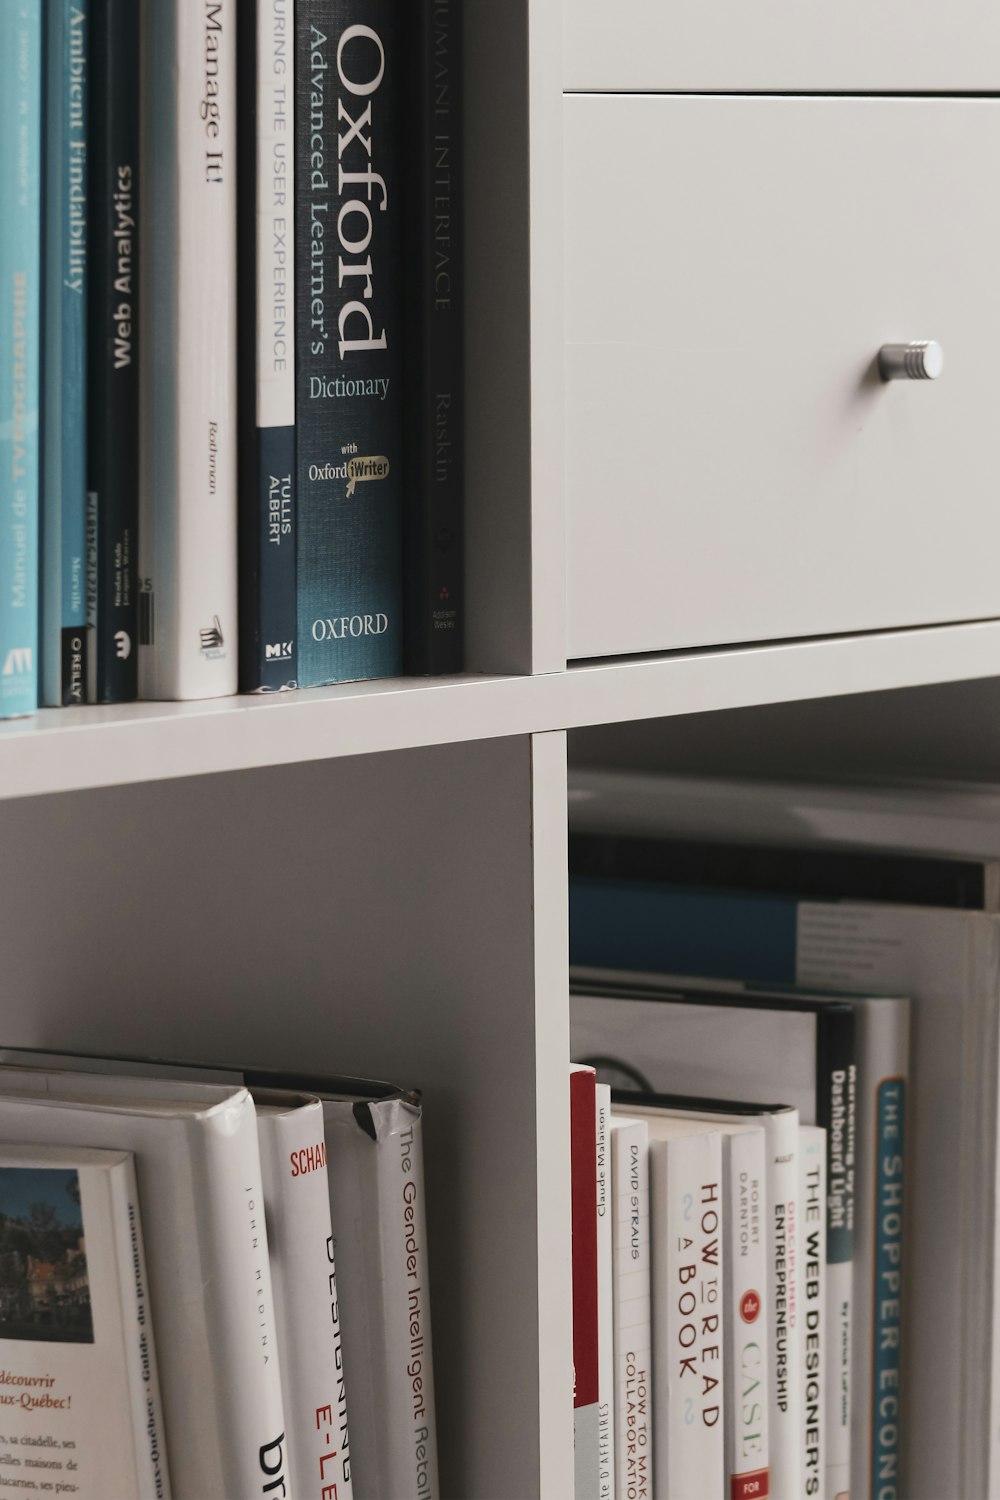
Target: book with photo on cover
[[78, 1377]]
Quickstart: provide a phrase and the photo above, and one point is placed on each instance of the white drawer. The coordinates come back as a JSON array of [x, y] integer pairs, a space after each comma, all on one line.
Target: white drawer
[[736, 470], [837, 45]]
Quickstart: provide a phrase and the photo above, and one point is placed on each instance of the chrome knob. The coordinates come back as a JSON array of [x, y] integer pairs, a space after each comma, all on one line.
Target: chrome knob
[[922, 359]]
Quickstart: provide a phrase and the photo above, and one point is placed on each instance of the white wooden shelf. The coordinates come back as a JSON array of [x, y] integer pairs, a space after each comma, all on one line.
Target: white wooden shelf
[[61, 750]]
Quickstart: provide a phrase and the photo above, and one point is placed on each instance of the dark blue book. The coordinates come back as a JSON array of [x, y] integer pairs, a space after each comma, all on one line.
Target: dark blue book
[[348, 401], [20, 276], [68, 593], [434, 410], [266, 340], [112, 340]]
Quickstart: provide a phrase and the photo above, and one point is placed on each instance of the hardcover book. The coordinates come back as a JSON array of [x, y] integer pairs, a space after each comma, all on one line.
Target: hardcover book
[[20, 279], [685, 1188], [349, 358], [633, 1331], [307, 1308], [188, 533], [114, 343], [586, 1361], [266, 267], [79, 1382], [434, 271], [197, 1164], [812, 1325], [605, 1299], [68, 596]]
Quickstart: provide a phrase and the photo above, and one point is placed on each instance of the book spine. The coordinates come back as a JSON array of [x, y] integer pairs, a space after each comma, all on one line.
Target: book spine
[[883, 1067], [633, 1333], [20, 276], [812, 1328], [303, 1275], [434, 437], [376, 1176], [267, 479], [188, 535], [348, 341], [685, 1179], [836, 1096], [113, 344], [747, 1316], [605, 1298], [586, 1336], [140, 1349], [65, 634], [229, 1210], [784, 1356]]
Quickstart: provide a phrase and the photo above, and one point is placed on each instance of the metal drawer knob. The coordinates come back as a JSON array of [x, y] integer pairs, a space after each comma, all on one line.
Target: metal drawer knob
[[922, 359]]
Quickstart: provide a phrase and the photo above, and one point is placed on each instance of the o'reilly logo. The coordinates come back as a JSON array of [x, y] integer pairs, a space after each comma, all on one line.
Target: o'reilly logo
[[18, 661], [347, 626], [278, 651]]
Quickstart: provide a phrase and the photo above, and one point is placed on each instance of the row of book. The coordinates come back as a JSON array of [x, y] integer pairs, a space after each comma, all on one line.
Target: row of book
[[854, 895], [212, 1284], [231, 390], [751, 1160]]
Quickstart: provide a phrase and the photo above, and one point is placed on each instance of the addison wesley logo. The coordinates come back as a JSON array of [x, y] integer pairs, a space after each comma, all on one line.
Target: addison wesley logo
[[213, 642]]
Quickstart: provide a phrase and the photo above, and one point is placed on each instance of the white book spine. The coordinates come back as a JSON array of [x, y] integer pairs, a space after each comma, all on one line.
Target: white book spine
[[685, 1176], [140, 1348], [782, 1131], [605, 1299], [307, 1313], [633, 1330], [376, 1174], [812, 1327], [202, 1204], [188, 646], [747, 1315]]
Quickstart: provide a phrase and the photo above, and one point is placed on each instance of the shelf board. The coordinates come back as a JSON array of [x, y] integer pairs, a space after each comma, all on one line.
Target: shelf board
[[61, 750]]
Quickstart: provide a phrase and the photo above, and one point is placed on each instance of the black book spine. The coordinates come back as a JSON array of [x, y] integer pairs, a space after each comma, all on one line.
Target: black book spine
[[266, 343], [434, 418], [113, 341], [348, 395]]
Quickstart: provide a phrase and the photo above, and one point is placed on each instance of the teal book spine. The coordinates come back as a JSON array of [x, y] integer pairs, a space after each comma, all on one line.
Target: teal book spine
[[20, 274], [349, 337], [68, 592]]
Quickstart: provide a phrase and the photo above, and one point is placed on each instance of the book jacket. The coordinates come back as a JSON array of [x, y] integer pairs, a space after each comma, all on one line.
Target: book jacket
[[348, 341], [78, 1378]]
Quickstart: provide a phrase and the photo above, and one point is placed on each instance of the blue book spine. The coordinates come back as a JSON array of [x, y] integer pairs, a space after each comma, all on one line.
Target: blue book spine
[[348, 341], [68, 595], [20, 274]]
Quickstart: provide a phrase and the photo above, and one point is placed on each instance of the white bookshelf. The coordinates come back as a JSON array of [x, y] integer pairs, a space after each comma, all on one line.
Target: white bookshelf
[[372, 878]]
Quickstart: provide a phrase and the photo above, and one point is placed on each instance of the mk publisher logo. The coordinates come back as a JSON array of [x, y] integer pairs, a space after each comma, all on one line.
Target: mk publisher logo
[[19, 661], [278, 651]]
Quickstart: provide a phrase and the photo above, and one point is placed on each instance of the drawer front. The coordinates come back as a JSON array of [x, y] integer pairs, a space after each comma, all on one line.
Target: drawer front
[[840, 45], [736, 469]]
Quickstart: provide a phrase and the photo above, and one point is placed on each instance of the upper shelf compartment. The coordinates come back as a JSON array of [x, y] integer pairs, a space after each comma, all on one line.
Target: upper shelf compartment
[[840, 46], [736, 468]]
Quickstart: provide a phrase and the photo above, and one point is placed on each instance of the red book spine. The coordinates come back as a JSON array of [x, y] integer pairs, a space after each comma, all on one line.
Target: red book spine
[[583, 1180]]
